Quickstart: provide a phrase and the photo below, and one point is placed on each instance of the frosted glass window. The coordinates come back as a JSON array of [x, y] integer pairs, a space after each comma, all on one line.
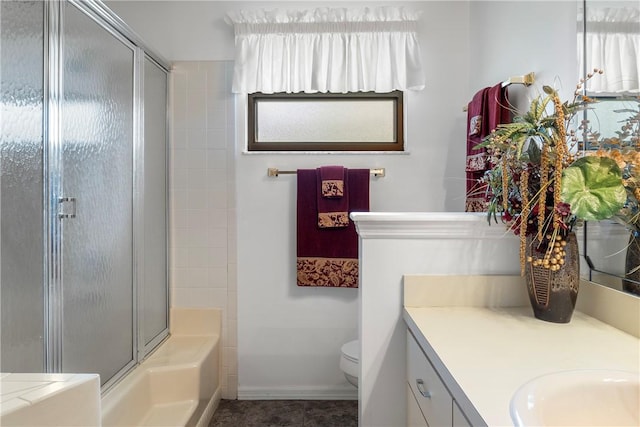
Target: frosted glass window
[[319, 122]]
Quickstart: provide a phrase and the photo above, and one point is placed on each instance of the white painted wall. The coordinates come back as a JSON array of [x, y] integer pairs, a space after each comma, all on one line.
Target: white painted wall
[[288, 337]]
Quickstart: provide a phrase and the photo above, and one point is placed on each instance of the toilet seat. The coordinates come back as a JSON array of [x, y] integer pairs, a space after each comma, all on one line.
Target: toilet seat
[[351, 351]]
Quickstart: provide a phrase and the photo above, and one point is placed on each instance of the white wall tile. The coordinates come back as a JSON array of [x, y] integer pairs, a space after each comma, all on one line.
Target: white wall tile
[[197, 137], [179, 257], [217, 277], [178, 179], [216, 159], [179, 137], [178, 200], [217, 139], [195, 237], [216, 117], [217, 198], [197, 199], [218, 217], [201, 171], [198, 218], [217, 237], [217, 257], [198, 258], [179, 159]]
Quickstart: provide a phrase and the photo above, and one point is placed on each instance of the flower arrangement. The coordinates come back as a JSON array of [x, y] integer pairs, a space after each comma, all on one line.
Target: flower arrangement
[[541, 185]]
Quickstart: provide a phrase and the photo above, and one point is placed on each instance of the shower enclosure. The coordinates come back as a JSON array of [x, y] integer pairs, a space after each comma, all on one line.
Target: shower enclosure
[[83, 243]]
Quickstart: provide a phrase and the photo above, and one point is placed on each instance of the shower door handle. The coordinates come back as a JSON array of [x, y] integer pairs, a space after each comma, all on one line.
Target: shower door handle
[[66, 207]]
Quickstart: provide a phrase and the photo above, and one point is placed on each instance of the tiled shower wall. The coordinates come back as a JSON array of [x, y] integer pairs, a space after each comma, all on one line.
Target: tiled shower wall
[[202, 198]]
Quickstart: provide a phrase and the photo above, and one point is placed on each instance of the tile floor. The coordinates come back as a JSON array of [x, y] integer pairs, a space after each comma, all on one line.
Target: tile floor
[[289, 413]]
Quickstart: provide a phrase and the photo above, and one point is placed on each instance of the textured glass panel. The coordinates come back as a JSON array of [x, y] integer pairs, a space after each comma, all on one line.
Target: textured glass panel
[[97, 134], [326, 121], [155, 209], [21, 204]]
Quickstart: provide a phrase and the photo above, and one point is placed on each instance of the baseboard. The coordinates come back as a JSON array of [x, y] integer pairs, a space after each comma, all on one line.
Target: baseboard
[[297, 393]]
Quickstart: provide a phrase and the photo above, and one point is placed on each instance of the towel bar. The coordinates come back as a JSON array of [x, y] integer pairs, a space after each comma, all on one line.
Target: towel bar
[[378, 172], [526, 80]]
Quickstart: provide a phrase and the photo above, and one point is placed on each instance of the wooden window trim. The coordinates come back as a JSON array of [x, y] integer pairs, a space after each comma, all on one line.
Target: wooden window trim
[[397, 145]]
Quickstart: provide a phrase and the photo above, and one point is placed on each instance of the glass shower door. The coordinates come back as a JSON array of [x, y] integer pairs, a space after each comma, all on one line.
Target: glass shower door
[[21, 186], [97, 140], [155, 297]]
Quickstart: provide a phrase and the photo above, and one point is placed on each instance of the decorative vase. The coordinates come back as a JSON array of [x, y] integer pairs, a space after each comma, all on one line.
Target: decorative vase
[[553, 294], [632, 265]]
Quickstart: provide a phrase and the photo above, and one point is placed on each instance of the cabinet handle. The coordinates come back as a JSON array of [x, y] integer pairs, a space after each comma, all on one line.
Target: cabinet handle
[[421, 388]]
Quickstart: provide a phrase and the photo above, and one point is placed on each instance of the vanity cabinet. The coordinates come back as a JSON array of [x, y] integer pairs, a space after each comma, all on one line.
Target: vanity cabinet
[[429, 400]]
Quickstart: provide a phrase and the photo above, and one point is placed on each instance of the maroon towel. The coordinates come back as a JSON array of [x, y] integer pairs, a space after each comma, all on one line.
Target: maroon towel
[[476, 160], [489, 107], [332, 195], [328, 256], [497, 107], [476, 130]]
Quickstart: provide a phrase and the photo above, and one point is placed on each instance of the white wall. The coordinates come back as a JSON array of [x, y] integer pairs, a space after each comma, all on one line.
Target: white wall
[[288, 337], [510, 38]]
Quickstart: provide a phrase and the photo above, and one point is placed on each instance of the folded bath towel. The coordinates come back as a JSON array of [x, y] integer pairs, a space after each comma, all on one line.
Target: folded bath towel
[[328, 256], [333, 210], [476, 160], [332, 181], [488, 108]]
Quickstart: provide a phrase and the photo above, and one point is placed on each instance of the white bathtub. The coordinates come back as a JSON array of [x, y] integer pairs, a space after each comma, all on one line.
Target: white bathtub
[[178, 385]]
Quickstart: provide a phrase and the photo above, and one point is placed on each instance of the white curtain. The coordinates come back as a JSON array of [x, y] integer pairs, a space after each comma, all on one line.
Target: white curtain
[[326, 50], [612, 44]]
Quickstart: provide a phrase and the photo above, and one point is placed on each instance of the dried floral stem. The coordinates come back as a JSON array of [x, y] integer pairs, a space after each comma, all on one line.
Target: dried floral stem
[[524, 217], [505, 183], [560, 142], [544, 183]]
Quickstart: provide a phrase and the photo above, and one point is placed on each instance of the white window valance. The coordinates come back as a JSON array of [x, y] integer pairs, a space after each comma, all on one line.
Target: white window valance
[[335, 50], [612, 44]]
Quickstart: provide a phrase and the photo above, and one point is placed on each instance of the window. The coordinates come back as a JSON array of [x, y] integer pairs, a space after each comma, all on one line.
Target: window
[[362, 121]]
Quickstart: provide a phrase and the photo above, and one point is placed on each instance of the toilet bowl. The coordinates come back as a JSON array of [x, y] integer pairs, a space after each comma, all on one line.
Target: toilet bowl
[[350, 361]]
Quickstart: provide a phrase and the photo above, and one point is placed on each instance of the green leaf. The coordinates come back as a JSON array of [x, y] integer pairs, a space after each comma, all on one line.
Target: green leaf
[[534, 152], [593, 187]]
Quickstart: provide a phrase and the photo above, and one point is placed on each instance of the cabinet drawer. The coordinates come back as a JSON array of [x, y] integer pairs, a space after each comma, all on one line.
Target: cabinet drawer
[[414, 414], [433, 397]]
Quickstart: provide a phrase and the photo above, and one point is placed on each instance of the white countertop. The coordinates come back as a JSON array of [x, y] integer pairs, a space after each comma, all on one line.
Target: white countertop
[[491, 352]]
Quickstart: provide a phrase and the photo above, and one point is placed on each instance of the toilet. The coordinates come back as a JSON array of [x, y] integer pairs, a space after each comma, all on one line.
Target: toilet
[[350, 361]]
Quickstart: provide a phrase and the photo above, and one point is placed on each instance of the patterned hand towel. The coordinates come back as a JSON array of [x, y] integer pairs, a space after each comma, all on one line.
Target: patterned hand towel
[[332, 181], [333, 210], [328, 256]]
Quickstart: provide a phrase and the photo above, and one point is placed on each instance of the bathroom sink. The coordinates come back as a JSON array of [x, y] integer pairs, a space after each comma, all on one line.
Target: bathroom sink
[[578, 398]]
